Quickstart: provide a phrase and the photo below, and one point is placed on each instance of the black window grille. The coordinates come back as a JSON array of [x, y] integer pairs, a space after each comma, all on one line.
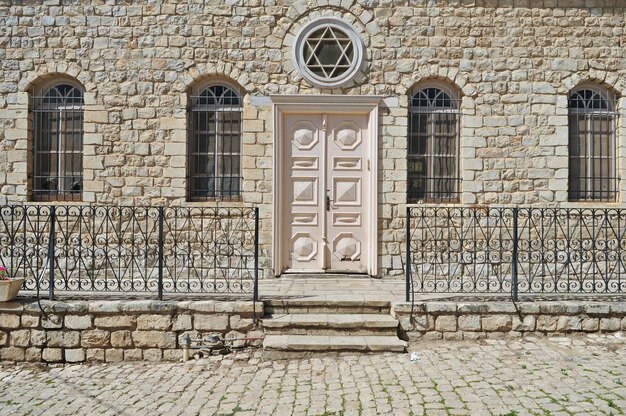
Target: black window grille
[[57, 131], [214, 144], [592, 145], [433, 147]]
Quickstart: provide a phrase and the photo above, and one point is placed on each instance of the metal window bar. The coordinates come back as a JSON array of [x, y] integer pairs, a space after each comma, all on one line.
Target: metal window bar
[[592, 145], [57, 131], [214, 145], [433, 147]]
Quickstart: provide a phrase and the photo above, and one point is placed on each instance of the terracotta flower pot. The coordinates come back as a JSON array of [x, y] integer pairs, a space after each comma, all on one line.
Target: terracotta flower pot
[[9, 289]]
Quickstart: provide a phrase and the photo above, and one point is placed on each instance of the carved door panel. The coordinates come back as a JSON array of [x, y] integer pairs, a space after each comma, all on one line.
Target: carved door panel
[[303, 191], [325, 193], [347, 168]]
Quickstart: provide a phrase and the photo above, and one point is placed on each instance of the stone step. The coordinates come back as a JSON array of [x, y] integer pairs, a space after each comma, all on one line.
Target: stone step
[[328, 305], [329, 343], [331, 324], [325, 276]]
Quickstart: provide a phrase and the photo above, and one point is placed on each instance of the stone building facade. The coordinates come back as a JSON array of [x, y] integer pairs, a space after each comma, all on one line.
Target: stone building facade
[[511, 65]]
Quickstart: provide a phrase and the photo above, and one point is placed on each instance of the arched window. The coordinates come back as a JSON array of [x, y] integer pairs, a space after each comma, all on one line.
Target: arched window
[[592, 148], [214, 144], [57, 169], [433, 146]]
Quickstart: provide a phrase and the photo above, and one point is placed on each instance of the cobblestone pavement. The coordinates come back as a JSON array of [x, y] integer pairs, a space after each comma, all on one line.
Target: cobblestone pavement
[[537, 376]]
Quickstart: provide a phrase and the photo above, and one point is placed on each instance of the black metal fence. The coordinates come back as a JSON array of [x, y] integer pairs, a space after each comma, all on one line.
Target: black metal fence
[[515, 250], [132, 249]]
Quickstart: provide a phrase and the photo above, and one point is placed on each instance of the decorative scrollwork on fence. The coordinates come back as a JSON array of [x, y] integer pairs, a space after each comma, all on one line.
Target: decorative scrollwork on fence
[[527, 250], [132, 249]]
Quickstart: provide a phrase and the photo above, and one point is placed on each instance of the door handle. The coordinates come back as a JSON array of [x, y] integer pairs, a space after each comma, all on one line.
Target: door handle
[[328, 201]]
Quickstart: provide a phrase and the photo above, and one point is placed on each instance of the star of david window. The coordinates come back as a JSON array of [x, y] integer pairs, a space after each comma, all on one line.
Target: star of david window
[[328, 52]]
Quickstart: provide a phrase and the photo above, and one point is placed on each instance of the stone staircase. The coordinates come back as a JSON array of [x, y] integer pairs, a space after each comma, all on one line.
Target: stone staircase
[[322, 325]]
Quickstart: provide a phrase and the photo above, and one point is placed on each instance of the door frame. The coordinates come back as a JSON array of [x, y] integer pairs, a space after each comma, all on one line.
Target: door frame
[[325, 104]]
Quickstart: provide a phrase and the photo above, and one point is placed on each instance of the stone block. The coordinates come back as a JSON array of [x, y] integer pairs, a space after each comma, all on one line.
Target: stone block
[[453, 336], [597, 309], [4, 338], [154, 322], [113, 355], [569, 324], [12, 354], [65, 339], [133, 355], [182, 323], [430, 336], [610, 324], [154, 339], [241, 324], [105, 306], [474, 335], [441, 307], [547, 323], [121, 339], [467, 308], [202, 306], [528, 308], [446, 323], [418, 323], [8, 321], [38, 338], [618, 308], [152, 354], [54, 322], [95, 355], [526, 324], [497, 323], [52, 355], [78, 322], [469, 323], [217, 323], [115, 322], [95, 338], [590, 324], [172, 355], [75, 355], [20, 338], [33, 354], [30, 321]]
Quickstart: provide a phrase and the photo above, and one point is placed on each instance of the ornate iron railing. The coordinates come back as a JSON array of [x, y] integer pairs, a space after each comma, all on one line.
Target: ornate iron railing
[[515, 250], [132, 249]]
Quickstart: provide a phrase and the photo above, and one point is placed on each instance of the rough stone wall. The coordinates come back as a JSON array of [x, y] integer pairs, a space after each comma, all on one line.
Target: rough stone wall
[[497, 319], [512, 62], [99, 331]]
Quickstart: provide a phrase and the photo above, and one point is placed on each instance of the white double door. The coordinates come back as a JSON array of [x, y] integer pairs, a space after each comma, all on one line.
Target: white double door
[[326, 193]]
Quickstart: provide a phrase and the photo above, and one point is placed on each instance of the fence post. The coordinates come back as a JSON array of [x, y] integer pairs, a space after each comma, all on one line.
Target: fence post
[[51, 242], [160, 295], [255, 296], [408, 254], [514, 256]]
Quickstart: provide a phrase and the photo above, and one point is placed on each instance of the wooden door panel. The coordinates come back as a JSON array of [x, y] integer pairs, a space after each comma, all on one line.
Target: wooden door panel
[[303, 188], [346, 229]]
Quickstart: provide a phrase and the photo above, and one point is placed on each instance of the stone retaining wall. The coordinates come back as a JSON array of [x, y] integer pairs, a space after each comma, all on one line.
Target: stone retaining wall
[[98, 331], [475, 320]]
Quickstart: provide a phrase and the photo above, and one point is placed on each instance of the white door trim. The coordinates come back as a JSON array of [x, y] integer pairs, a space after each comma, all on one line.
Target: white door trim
[[325, 104]]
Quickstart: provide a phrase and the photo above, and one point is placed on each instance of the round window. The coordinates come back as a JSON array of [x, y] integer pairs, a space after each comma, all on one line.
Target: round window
[[328, 52]]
